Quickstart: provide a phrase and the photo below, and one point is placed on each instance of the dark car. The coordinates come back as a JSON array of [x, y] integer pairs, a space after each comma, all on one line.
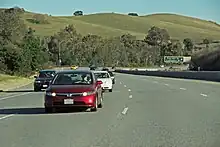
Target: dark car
[[42, 81], [75, 88]]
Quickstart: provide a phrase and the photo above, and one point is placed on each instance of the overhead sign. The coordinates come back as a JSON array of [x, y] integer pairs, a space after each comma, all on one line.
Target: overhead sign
[[173, 59]]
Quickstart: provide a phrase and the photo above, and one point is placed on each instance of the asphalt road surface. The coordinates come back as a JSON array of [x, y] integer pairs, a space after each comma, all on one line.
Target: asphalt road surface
[[140, 112]]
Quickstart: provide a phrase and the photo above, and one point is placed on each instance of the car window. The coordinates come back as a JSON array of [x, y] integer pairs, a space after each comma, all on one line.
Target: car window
[[73, 79], [102, 75], [46, 74]]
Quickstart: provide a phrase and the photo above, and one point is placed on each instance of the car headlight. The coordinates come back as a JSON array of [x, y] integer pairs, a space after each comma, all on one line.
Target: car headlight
[[50, 93], [88, 93], [37, 81]]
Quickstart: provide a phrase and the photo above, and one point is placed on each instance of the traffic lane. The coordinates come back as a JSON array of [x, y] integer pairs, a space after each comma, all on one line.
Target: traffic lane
[[17, 91], [202, 88], [32, 127], [168, 116]]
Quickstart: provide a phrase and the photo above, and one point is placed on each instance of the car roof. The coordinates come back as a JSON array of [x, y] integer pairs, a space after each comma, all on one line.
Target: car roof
[[74, 71], [100, 71], [45, 70]]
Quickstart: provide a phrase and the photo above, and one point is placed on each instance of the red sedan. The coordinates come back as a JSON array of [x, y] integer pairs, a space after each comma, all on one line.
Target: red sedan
[[74, 89]]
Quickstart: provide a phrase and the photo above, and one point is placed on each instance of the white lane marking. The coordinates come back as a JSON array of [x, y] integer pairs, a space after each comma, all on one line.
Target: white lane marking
[[8, 97], [155, 82], [6, 116], [130, 96], [125, 86], [129, 90], [166, 84], [124, 111], [202, 94], [182, 88], [120, 83]]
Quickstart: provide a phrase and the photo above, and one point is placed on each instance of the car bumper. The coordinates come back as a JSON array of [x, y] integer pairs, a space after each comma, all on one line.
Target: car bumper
[[106, 87], [58, 102], [41, 86]]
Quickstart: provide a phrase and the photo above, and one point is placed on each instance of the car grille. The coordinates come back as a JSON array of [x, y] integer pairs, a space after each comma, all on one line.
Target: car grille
[[69, 94]]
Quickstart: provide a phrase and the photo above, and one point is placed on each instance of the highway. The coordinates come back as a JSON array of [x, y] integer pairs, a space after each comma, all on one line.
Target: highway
[[140, 112]]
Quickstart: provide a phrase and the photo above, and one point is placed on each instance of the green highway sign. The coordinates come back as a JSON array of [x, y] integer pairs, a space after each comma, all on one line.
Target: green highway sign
[[173, 59]]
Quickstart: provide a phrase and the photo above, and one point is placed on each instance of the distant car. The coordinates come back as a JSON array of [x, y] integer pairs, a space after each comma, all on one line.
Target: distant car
[[111, 74], [105, 69], [74, 88], [74, 67], [42, 81], [106, 79]]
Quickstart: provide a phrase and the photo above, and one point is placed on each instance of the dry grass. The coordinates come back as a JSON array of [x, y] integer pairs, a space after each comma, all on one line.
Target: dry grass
[[11, 82], [111, 24]]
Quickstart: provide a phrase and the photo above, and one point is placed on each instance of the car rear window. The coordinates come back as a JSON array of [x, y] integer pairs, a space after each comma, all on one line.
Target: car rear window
[[46, 74], [73, 79], [102, 75]]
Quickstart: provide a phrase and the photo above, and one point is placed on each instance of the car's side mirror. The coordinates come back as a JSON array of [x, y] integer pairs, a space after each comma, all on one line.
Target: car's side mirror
[[99, 82], [35, 77]]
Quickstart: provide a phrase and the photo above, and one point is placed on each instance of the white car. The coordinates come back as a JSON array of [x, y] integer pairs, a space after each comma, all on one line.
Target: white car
[[106, 79]]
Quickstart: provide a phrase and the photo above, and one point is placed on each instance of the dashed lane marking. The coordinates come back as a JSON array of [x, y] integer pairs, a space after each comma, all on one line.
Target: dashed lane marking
[[125, 111], [8, 97], [202, 94]]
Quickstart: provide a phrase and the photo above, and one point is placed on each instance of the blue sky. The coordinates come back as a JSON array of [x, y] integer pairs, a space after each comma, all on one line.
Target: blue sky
[[205, 9]]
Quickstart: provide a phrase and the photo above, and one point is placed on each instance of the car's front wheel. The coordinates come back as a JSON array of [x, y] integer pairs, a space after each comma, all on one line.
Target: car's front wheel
[[36, 89]]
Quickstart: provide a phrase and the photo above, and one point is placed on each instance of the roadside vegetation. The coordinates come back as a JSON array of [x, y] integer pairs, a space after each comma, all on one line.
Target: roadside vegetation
[[29, 41]]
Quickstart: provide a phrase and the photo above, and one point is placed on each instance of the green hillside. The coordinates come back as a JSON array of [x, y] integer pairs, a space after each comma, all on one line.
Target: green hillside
[[111, 24]]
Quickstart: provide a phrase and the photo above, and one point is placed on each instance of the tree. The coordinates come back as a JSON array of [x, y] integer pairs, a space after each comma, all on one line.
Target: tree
[[78, 13], [206, 42], [188, 46], [157, 36], [133, 14]]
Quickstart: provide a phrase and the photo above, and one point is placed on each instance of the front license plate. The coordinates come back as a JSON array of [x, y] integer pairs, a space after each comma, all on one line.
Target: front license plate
[[68, 101], [44, 85]]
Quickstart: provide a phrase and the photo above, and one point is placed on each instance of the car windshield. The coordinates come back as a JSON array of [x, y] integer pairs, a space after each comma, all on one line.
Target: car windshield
[[102, 75], [73, 79], [46, 74]]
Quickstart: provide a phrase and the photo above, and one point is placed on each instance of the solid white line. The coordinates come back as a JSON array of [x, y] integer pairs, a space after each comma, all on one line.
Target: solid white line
[[166, 84], [130, 96], [182, 88], [125, 110], [8, 97], [7, 116], [203, 95]]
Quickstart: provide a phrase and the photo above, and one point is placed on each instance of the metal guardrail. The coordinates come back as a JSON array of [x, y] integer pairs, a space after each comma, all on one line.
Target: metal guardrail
[[198, 75]]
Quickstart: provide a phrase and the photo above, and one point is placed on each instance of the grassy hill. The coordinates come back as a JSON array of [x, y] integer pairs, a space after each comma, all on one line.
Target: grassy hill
[[112, 24]]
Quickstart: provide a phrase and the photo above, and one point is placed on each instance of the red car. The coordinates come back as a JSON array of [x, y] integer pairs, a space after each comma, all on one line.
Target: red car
[[73, 88]]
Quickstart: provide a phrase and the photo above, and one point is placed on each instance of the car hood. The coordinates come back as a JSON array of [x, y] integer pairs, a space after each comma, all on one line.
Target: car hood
[[70, 88]]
